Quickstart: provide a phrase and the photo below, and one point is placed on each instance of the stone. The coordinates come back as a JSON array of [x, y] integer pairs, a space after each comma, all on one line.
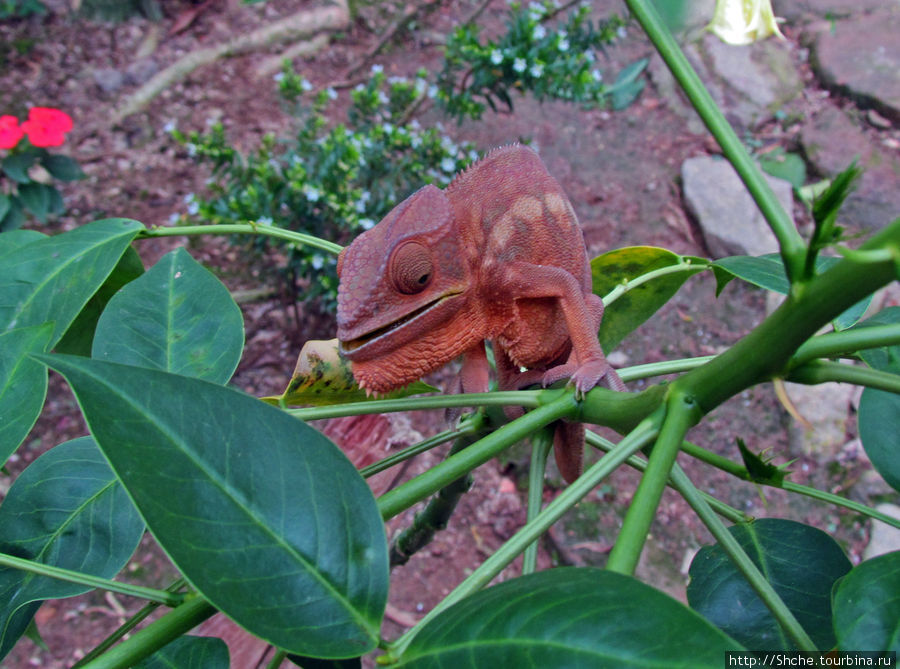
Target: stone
[[141, 70], [728, 217], [109, 79], [883, 538], [827, 409], [830, 141], [802, 9], [860, 58]]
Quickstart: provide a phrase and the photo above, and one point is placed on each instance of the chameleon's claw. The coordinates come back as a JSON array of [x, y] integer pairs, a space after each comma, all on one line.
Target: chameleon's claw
[[585, 377]]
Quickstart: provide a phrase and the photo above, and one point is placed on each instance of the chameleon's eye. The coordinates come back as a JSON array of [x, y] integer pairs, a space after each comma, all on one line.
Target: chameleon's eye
[[411, 268]]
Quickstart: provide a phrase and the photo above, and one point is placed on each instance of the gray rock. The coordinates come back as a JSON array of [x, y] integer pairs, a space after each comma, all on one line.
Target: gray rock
[[109, 79], [883, 538], [728, 217], [827, 408], [803, 9], [860, 57], [141, 70], [831, 140]]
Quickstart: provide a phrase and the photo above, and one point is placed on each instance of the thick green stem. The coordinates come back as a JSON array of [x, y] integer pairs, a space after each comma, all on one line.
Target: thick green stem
[[793, 250], [541, 443], [244, 229], [642, 435], [825, 371], [150, 594], [681, 414], [404, 496], [150, 639], [742, 561], [665, 367], [835, 344]]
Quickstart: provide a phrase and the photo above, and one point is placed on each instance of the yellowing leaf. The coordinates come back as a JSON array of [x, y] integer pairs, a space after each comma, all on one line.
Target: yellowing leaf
[[322, 376], [742, 22]]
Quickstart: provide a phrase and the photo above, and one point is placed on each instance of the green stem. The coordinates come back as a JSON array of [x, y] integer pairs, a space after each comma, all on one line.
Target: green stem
[[404, 496], [666, 367], [524, 398], [835, 344], [825, 371], [151, 594], [793, 250], [739, 471], [150, 639], [465, 429], [541, 444], [742, 561], [243, 229], [485, 573], [638, 463], [681, 414], [622, 288], [277, 659]]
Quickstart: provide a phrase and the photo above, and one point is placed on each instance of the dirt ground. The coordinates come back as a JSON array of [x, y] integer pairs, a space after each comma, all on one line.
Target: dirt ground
[[620, 170]]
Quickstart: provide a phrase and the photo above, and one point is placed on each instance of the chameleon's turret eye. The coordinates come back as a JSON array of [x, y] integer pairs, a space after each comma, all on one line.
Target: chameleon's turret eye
[[411, 268]]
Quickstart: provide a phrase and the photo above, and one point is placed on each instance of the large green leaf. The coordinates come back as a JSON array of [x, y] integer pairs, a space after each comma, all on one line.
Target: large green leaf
[[802, 564], [884, 357], [12, 241], [23, 384], [637, 305], [261, 513], [67, 510], [879, 425], [189, 652], [52, 279], [177, 317], [568, 617], [62, 167], [79, 338], [768, 272], [867, 605]]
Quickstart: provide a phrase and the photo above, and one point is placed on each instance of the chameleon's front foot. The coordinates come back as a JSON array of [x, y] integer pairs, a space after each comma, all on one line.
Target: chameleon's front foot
[[585, 376]]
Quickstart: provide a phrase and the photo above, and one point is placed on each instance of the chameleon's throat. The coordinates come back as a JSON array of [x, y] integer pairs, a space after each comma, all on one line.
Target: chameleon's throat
[[348, 348]]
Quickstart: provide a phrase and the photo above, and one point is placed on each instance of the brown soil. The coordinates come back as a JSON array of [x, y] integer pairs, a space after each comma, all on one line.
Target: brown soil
[[620, 170]]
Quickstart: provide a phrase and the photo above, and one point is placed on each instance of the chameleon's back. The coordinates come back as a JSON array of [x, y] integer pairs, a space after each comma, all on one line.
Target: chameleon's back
[[514, 210]]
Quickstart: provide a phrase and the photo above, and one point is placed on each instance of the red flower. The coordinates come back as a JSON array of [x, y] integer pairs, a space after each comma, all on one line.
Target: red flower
[[47, 126], [10, 132]]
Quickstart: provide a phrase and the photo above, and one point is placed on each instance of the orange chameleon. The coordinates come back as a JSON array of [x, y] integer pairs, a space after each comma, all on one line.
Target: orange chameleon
[[497, 255]]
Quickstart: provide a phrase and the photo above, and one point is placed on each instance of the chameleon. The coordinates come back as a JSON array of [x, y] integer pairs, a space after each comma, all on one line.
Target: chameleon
[[496, 256]]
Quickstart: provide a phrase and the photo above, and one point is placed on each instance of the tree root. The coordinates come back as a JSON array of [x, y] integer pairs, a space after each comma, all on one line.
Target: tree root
[[303, 24]]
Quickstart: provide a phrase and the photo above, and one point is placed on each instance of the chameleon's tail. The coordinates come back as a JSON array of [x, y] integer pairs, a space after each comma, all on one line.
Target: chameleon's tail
[[568, 447]]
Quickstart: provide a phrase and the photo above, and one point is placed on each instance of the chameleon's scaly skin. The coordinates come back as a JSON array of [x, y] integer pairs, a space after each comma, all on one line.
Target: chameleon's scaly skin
[[496, 256]]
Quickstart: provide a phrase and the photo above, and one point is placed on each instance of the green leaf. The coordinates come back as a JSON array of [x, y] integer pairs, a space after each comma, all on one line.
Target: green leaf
[[260, 512], [177, 317], [568, 617], [62, 167], [316, 663], [637, 305], [884, 357], [79, 338], [36, 199], [4, 205], [53, 278], [760, 470], [767, 272], [16, 166], [189, 652], [802, 563], [14, 218], [627, 85], [867, 605], [12, 241], [879, 425], [787, 166], [23, 384], [67, 510]]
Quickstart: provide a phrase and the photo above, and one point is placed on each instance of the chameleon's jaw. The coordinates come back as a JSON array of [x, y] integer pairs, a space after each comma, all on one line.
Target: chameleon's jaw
[[393, 334]]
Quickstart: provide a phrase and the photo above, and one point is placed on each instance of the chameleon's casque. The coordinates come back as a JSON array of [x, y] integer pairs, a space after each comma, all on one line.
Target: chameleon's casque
[[497, 255]]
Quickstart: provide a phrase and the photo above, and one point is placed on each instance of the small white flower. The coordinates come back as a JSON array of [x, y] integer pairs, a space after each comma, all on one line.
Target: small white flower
[[169, 127], [312, 194], [496, 56], [358, 87], [432, 91], [540, 32], [415, 125], [536, 70], [536, 11], [563, 43], [383, 99], [306, 85], [589, 56], [377, 69], [473, 155], [191, 149], [519, 65], [193, 208], [387, 127], [264, 220], [448, 165], [279, 76], [366, 223], [421, 86], [318, 262], [597, 75], [415, 141], [621, 32], [331, 93], [189, 198], [174, 218]]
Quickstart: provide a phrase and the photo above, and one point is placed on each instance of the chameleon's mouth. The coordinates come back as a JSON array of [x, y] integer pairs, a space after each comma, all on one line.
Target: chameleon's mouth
[[352, 346]]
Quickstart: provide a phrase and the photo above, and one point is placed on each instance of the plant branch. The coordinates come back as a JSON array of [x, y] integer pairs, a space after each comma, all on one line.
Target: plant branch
[[793, 250], [835, 344], [60, 574], [404, 496], [742, 561], [621, 289], [681, 414], [157, 634], [243, 229], [541, 443], [825, 371], [665, 367], [467, 428]]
